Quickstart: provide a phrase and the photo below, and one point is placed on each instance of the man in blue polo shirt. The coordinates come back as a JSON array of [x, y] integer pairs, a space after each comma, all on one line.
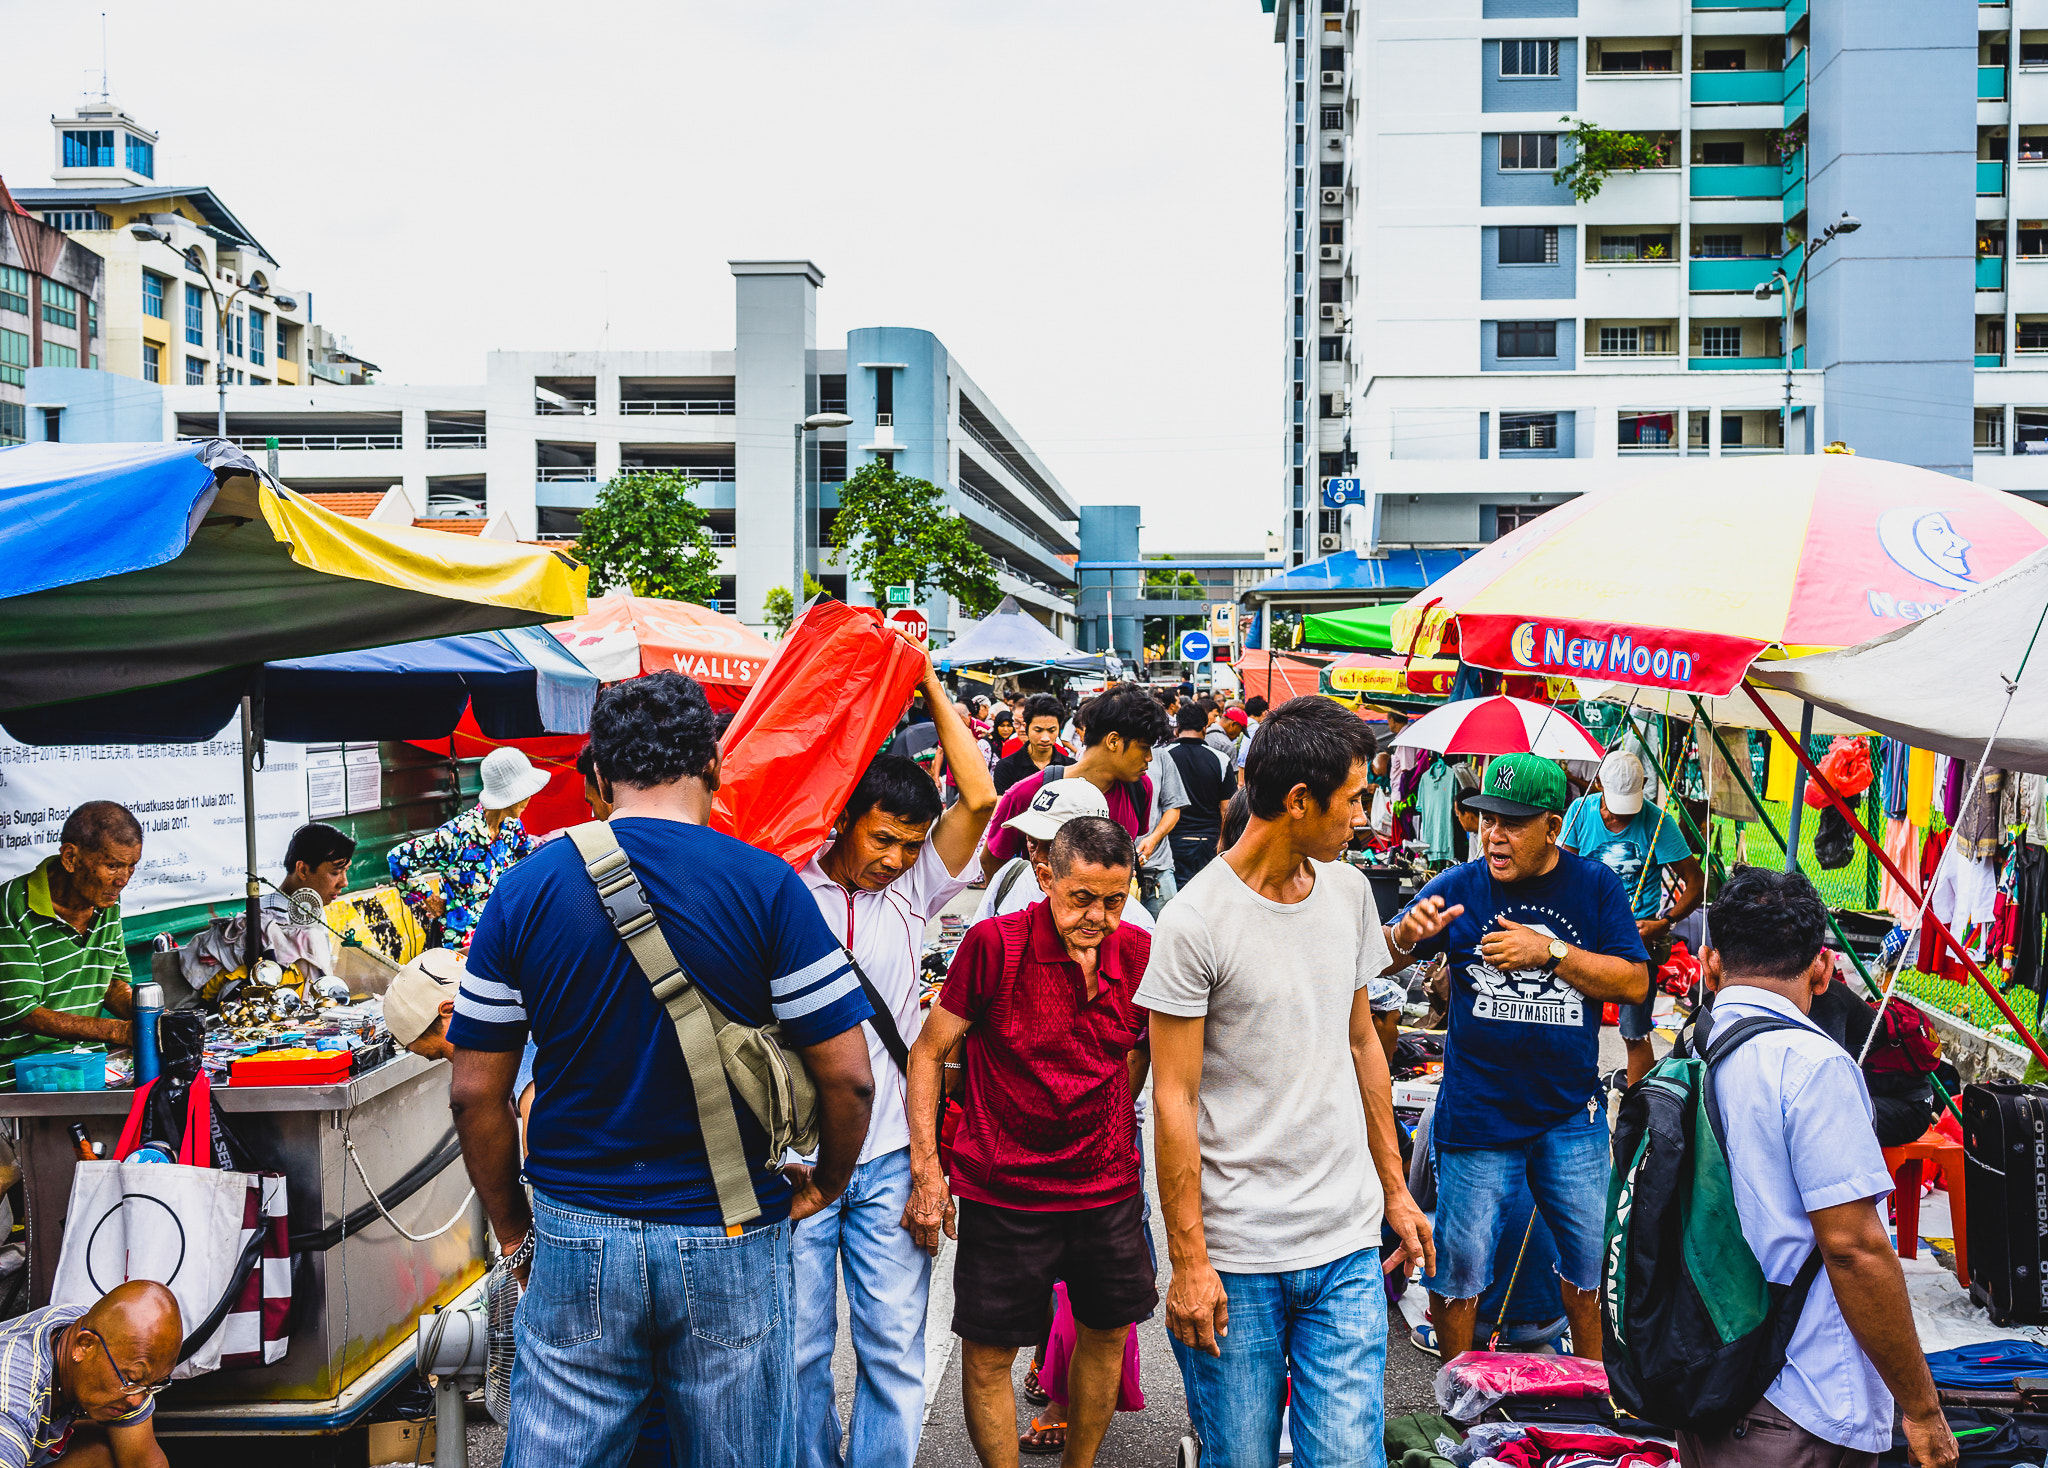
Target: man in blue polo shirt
[[1539, 939], [634, 1278]]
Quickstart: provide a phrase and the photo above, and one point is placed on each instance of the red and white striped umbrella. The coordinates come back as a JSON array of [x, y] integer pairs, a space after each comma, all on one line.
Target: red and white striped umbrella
[[1501, 725]]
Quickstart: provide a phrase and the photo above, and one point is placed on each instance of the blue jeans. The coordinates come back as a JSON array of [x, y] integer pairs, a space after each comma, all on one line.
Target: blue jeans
[[1327, 1327], [1566, 1172], [614, 1305], [888, 1281]]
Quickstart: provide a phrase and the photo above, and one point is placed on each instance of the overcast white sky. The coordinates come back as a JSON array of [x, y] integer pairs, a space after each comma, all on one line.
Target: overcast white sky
[[1080, 199]]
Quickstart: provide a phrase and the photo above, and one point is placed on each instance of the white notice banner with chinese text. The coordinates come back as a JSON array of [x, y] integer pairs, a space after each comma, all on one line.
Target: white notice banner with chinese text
[[187, 796]]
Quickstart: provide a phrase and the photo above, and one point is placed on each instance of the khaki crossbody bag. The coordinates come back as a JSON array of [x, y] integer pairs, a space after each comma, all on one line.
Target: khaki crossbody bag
[[768, 1076]]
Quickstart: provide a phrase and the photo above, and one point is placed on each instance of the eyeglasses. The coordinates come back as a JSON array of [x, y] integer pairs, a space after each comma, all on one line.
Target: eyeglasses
[[129, 1388]]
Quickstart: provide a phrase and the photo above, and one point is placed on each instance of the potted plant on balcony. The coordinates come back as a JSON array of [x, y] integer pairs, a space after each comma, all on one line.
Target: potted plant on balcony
[[1598, 153]]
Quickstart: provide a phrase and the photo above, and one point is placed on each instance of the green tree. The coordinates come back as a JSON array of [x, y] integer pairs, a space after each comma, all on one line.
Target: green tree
[[775, 605], [645, 535], [1598, 152], [1164, 632], [893, 530]]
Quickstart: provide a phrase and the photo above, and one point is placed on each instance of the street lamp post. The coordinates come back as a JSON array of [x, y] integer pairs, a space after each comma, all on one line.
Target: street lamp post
[[193, 257], [1789, 289], [796, 580]]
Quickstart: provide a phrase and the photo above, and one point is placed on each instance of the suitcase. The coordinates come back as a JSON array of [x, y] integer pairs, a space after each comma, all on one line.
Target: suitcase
[[2005, 1182]]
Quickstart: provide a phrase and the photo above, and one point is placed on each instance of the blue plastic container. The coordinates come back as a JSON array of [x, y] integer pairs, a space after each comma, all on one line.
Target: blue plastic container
[[64, 1070]]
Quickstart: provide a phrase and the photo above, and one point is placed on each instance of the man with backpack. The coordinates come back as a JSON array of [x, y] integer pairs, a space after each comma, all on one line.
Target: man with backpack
[[1208, 779], [1811, 1378], [894, 861], [656, 1246]]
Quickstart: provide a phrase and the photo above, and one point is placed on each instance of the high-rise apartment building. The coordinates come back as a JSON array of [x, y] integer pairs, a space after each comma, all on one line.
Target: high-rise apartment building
[[1511, 344], [51, 300]]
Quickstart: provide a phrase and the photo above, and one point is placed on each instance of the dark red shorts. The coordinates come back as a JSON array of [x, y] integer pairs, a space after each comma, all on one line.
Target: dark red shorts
[[1009, 1260]]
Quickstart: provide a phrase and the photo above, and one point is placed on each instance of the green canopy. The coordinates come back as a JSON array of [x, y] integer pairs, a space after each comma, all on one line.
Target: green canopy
[[1368, 628]]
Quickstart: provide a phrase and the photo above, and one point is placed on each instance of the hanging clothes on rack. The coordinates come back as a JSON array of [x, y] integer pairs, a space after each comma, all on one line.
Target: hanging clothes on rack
[[1951, 789], [1896, 757], [2029, 906], [1934, 956], [1977, 821], [1902, 845], [1436, 820], [1920, 788]]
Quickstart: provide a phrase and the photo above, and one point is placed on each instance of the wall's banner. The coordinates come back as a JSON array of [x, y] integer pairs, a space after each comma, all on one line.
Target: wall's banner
[[187, 796]]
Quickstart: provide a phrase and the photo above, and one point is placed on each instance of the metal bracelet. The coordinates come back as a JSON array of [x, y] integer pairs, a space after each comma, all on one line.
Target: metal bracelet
[[522, 1256]]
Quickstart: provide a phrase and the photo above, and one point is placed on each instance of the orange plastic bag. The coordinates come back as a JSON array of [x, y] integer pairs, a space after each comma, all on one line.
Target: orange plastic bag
[[1847, 766], [814, 719]]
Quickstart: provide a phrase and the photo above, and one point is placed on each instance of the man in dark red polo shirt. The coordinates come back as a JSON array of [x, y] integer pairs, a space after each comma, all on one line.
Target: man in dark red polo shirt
[[1046, 1162]]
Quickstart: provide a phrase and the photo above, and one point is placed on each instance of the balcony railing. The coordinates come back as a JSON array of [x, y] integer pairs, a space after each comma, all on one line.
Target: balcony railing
[[1795, 197], [1738, 4], [1990, 84], [677, 407], [1991, 273], [1009, 462], [1743, 273], [1734, 364], [1739, 181], [455, 440], [566, 474], [1011, 520], [720, 473], [1990, 178], [1738, 88], [295, 442], [1990, 359], [574, 408]]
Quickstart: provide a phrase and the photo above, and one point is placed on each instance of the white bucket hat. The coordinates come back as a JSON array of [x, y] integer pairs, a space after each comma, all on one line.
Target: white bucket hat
[[509, 779]]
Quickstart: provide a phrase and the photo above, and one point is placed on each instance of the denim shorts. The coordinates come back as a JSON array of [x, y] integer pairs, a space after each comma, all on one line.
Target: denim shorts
[[1566, 1169], [1637, 1019]]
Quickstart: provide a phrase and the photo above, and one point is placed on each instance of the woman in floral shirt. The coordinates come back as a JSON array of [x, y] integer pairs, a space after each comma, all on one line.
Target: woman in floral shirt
[[472, 851]]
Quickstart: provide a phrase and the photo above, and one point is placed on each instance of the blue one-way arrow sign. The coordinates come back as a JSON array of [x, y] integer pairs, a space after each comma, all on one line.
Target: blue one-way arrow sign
[[1194, 647]]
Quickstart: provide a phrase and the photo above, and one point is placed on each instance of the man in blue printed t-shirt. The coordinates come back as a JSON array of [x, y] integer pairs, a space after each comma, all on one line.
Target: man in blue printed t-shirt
[[634, 1280], [1538, 940], [1636, 842]]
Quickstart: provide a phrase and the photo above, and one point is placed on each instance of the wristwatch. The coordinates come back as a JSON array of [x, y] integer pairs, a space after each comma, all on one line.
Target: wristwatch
[[1558, 949]]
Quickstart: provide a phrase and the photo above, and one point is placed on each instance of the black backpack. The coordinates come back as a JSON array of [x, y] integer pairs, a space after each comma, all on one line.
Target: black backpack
[[1694, 1332]]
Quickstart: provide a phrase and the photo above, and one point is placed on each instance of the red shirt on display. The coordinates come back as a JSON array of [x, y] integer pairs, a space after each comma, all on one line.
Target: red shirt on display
[[1049, 1125]]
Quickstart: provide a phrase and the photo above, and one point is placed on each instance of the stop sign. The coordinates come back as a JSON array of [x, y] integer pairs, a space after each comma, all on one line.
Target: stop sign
[[913, 622]]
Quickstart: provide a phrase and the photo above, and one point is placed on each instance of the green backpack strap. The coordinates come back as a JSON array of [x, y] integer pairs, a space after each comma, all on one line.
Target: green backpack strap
[[697, 1025]]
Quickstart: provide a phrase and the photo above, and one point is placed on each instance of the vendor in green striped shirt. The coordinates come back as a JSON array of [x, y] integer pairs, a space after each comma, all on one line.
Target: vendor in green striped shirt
[[63, 965]]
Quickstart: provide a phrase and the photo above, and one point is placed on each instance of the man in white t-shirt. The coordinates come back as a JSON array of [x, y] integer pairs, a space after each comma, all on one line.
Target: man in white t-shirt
[[893, 862], [1018, 882], [1277, 1148]]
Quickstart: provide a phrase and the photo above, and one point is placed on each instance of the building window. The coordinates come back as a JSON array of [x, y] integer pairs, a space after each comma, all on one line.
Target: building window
[[1528, 150], [1721, 246], [1332, 233], [70, 220], [195, 372], [284, 356], [1530, 244], [1526, 339], [1731, 430], [13, 357], [234, 341], [1330, 349], [13, 289], [55, 354], [1990, 430], [1635, 247], [152, 295], [93, 148], [1646, 430], [1528, 431], [1721, 341], [195, 314], [13, 423], [92, 317], [1635, 61], [1333, 119], [141, 157], [259, 329], [1528, 58], [60, 305], [1721, 155], [2033, 240], [152, 363], [1718, 60], [1620, 341], [1509, 518], [1333, 58]]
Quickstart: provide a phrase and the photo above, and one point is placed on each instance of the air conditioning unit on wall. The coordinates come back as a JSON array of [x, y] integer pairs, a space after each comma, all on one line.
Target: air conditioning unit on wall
[[1333, 196], [1332, 252], [1333, 78], [1332, 311], [1330, 542]]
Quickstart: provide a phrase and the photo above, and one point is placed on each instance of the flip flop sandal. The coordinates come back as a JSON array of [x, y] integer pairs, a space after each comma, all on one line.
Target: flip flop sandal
[[1038, 1441], [1035, 1394]]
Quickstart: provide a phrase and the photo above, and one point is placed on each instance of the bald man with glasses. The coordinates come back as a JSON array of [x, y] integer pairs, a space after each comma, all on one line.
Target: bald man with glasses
[[78, 1384]]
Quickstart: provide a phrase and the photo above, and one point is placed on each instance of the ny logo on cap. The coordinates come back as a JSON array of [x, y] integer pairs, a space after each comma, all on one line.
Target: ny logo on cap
[[1503, 776]]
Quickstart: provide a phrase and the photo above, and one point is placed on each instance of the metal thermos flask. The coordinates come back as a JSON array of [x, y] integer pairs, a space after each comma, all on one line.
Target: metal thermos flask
[[149, 1003]]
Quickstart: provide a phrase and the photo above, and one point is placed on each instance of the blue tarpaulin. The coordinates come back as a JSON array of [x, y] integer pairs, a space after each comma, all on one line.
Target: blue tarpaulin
[[1349, 571], [145, 499], [520, 682]]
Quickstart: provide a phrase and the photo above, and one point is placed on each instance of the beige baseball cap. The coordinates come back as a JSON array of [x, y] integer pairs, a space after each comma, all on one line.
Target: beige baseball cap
[[1052, 806], [418, 990]]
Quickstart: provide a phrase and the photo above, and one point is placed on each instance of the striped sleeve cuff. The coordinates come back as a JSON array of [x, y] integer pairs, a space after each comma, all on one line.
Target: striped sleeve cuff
[[819, 1001], [488, 1016]]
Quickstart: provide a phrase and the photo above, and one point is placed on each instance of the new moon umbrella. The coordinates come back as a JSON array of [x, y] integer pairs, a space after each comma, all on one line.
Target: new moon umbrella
[[1683, 580], [1501, 725]]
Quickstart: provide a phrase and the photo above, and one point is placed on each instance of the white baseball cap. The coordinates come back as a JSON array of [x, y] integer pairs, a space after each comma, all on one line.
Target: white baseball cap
[[413, 1001], [509, 779], [1054, 805], [1621, 782]]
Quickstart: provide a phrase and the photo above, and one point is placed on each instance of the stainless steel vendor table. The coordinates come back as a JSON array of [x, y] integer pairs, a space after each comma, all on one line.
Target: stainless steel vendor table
[[360, 1299]]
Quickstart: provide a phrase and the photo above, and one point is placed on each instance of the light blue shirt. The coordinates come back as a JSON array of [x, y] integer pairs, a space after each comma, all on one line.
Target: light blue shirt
[[1799, 1140]]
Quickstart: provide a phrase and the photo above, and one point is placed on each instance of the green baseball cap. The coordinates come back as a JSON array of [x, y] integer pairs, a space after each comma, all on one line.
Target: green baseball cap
[[1521, 785]]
